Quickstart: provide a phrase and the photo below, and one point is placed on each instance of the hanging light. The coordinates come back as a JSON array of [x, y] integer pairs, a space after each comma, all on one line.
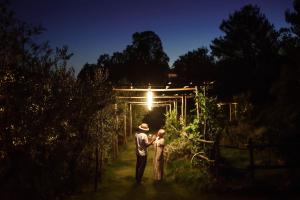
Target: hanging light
[[149, 99]]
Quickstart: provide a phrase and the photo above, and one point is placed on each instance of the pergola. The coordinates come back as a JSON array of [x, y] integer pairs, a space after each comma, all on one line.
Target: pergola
[[171, 98]]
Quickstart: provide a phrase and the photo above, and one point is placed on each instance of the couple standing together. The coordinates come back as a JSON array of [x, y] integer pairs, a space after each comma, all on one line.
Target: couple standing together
[[142, 143]]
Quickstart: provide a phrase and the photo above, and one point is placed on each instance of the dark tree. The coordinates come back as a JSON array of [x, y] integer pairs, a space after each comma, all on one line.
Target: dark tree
[[195, 66], [46, 114], [117, 68], [294, 18], [246, 54], [36, 87], [283, 116], [142, 62]]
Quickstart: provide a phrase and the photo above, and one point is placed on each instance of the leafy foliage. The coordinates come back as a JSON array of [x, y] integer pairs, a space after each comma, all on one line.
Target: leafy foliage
[[48, 117], [188, 141], [173, 126], [208, 126]]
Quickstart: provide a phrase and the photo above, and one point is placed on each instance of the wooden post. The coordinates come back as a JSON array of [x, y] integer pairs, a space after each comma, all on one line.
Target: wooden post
[[116, 147], [251, 159], [235, 111], [96, 166], [176, 108], [174, 105], [113, 146], [184, 110], [117, 136], [230, 112], [101, 164], [204, 125], [130, 118], [125, 124], [101, 150], [197, 103], [182, 107], [216, 155]]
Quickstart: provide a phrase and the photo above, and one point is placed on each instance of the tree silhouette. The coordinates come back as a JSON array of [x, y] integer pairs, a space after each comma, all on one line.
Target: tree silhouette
[[247, 53], [142, 62], [283, 115], [45, 114], [294, 18], [195, 66], [117, 68]]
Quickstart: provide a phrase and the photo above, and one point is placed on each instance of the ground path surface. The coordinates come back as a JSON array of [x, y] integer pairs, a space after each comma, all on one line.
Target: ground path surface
[[119, 183]]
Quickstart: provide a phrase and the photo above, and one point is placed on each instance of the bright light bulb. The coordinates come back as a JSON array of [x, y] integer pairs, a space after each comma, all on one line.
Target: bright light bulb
[[149, 99]]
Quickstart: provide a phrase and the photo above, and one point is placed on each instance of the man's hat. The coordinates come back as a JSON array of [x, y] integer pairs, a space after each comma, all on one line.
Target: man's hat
[[144, 127]]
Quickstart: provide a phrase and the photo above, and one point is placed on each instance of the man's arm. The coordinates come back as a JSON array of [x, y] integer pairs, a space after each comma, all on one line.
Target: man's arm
[[147, 141]]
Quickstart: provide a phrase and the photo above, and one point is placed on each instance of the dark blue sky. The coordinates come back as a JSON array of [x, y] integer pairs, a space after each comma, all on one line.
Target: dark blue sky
[[94, 27]]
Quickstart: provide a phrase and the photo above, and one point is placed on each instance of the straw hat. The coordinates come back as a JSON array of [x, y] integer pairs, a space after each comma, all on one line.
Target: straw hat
[[144, 127]]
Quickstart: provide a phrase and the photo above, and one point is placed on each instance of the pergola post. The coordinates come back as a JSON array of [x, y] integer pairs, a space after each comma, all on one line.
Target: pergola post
[[130, 118], [182, 102], [125, 124], [184, 96], [235, 111], [197, 103], [174, 105], [230, 112], [176, 108], [115, 136], [204, 125]]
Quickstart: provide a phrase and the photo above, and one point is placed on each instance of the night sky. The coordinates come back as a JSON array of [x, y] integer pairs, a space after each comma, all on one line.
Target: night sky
[[94, 27]]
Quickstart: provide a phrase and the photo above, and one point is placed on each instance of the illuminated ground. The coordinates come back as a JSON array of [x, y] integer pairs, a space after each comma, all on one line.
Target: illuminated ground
[[119, 184]]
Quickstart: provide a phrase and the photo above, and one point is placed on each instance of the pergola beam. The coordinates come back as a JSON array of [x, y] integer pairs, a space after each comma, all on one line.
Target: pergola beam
[[156, 97], [145, 102], [153, 90], [156, 105]]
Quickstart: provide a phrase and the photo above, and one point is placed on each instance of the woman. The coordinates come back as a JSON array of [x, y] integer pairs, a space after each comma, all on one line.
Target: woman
[[158, 159]]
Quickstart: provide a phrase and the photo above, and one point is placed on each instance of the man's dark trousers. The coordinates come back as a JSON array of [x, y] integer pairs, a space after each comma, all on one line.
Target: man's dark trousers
[[140, 167]]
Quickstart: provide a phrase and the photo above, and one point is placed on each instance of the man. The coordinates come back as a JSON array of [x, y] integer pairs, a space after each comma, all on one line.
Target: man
[[141, 141]]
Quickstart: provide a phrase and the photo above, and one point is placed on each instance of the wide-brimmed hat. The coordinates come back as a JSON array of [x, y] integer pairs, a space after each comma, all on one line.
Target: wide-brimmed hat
[[144, 127]]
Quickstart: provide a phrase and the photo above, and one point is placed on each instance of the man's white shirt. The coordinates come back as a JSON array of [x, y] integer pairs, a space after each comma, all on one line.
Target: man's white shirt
[[141, 142]]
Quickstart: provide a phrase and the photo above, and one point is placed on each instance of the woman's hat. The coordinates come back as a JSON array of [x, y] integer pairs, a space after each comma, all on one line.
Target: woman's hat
[[161, 132], [144, 127]]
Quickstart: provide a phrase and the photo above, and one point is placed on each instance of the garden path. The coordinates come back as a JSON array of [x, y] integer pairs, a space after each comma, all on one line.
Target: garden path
[[119, 184]]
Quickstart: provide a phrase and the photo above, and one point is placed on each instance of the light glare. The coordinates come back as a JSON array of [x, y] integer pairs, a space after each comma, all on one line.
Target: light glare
[[149, 99]]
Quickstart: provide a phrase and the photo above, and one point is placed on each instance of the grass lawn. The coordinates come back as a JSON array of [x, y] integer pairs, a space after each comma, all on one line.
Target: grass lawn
[[119, 183]]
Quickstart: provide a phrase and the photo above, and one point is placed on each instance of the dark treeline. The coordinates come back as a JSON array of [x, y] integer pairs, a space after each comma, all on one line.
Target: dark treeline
[[142, 62], [48, 128]]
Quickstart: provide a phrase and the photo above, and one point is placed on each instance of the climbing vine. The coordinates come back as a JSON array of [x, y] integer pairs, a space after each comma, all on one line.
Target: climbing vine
[[207, 125]]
